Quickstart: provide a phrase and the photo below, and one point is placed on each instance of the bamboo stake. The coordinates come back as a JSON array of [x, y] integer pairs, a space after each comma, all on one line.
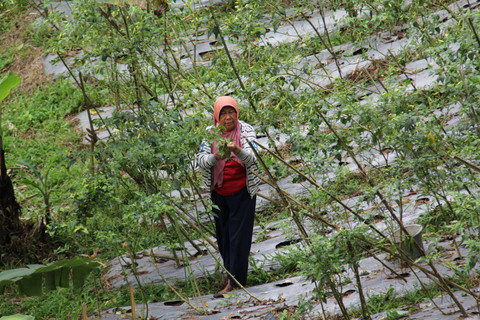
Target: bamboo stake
[[282, 196], [314, 183], [180, 231], [191, 224], [229, 56], [187, 262], [133, 68], [174, 253], [84, 311], [430, 297], [87, 101], [275, 202], [184, 299], [392, 213], [338, 297], [363, 171], [322, 14], [133, 304], [328, 47], [137, 279], [194, 64], [401, 257], [354, 265], [197, 190]]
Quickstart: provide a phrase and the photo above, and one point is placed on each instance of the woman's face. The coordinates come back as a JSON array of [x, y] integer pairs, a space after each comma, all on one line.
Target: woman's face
[[228, 118]]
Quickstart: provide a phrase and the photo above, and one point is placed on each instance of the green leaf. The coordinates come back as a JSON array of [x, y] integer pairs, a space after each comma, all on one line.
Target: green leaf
[[276, 24], [32, 286], [79, 274], [215, 31], [57, 274], [31, 183], [176, 184], [33, 168], [7, 84], [17, 317], [62, 278], [14, 275], [50, 281]]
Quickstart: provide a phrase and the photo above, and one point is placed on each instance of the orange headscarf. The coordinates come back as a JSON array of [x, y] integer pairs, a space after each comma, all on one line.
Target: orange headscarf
[[219, 104]]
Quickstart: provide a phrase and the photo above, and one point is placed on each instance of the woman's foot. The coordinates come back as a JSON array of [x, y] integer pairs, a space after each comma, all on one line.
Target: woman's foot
[[227, 288]]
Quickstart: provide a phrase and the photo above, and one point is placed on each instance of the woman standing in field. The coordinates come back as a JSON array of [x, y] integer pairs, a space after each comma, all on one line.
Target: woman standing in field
[[233, 189]]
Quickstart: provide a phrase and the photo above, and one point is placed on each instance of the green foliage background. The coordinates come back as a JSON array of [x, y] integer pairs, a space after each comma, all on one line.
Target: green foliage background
[[116, 197]]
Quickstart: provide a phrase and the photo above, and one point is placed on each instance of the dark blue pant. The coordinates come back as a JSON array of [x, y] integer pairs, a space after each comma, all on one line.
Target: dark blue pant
[[234, 228]]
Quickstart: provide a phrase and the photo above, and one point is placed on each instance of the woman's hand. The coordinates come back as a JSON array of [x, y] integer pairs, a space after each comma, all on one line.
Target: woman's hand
[[233, 147], [218, 155]]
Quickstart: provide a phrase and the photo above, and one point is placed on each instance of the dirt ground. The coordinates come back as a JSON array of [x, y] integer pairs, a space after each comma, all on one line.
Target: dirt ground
[[27, 58]]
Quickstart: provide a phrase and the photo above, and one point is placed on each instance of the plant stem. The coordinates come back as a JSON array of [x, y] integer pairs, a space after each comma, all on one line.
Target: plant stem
[[338, 297], [232, 64], [472, 27], [96, 297], [354, 265], [327, 46], [425, 289], [401, 69], [137, 279], [322, 14], [467, 163], [282, 195], [196, 228], [133, 67], [314, 183], [363, 171]]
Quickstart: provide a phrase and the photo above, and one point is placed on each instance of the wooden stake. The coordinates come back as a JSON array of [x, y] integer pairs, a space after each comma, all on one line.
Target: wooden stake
[[84, 311], [132, 299]]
